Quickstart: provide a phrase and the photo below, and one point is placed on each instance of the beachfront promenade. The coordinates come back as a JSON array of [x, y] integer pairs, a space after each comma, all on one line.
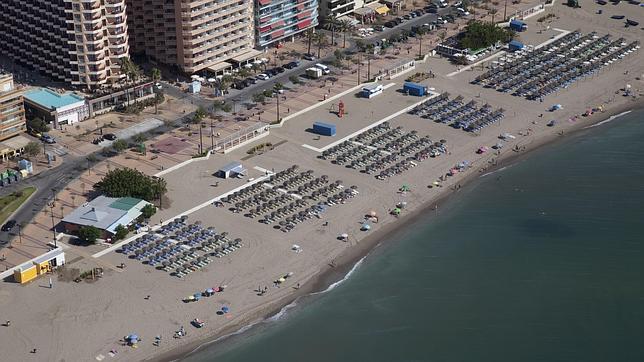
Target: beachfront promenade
[[148, 300]]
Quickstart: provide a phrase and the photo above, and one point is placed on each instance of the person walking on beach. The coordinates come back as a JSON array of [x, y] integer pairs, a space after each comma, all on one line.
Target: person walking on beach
[[51, 283]]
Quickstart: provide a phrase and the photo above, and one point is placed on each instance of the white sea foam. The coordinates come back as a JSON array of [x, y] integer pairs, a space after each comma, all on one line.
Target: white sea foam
[[346, 277], [610, 119], [279, 315], [495, 171]]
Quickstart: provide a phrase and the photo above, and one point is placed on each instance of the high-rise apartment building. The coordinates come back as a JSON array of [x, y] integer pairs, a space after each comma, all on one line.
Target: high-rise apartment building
[[12, 111], [194, 34], [279, 19], [79, 42]]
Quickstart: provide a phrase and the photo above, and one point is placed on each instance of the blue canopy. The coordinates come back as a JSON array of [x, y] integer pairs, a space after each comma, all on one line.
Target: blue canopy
[[224, 309], [132, 337]]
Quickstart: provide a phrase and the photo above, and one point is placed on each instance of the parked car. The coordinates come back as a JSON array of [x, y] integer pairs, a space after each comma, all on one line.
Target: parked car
[[412, 15], [418, 12], [309, 56], [291, 65], [407, 17], [279, 69], [262, 76], [109, 136], [34, 133], [47, 139], [250, 80], [390, 24], [379, 28], [9, 225]]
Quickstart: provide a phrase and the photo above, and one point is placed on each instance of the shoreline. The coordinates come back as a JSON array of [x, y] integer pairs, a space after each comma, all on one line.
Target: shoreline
[[320, 282]]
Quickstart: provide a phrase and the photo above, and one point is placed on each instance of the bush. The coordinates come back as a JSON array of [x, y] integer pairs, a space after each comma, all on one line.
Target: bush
[[294, 79], [121, 232], [258, 98], [260, 146], [148, 211], [89, 234], [32, 149], [119, 145]]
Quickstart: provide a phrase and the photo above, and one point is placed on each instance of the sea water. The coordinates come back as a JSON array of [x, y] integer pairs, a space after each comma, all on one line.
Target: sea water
[[541, 261]]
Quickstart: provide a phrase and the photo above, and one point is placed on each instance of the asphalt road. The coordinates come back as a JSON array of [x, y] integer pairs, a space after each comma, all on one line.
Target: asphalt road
[[238, 97]]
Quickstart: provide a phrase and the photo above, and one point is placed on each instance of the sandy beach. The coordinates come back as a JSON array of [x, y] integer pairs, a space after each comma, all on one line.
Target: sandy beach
[[86, 321]]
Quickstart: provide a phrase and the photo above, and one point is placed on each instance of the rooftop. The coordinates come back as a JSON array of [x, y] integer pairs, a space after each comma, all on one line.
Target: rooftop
[[107, 213], [50, 99]]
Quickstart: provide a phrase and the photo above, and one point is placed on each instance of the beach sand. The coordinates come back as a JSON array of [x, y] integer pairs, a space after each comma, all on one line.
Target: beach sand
[[85, 321]]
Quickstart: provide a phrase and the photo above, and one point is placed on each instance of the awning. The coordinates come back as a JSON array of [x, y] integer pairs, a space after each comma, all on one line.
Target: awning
[[382, 10], [265, 28], [219, 67], [264, 2], [304, 24], [304, 14], [277, 34], [265, 19], [300, 7], [278, 23], [251, 54]]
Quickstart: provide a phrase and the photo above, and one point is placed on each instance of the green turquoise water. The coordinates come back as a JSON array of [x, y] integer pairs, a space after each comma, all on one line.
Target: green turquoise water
[[541, 261]]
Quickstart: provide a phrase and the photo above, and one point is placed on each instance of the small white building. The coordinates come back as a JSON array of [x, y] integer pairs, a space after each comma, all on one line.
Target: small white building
[[56, 108], [371, 90]]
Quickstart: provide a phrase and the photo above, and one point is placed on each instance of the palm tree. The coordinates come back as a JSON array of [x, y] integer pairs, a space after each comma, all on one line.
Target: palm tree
[[321, 40], [132, 73], [310, 34], [345, 26], [330, 23], [493, 11], [419, 33], [156, 76]]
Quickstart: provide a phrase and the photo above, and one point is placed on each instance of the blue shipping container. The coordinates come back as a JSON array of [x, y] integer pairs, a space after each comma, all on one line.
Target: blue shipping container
[[415, 89], [517, 25], [515, 45], [324, 129]]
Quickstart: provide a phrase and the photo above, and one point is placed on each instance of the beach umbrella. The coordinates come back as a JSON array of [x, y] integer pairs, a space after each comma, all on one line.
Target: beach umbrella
[[344, 236], [372, 213], [225, 309], [365, 227]]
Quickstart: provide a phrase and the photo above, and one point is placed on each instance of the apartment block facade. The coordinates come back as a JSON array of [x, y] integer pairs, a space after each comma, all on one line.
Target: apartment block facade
[[79, 42], [12, 111], [194, 34], [280, 19]]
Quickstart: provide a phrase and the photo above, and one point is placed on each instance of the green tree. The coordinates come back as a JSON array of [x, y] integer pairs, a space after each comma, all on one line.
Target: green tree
[[120, 232], [127, 182], [278, 86], [119, 145], [38, 125], [89, 234], [32, 149], [148, 211], [480, 34], [139, 138]]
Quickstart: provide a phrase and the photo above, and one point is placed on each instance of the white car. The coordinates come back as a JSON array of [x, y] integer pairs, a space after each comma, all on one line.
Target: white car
[[262, 76]]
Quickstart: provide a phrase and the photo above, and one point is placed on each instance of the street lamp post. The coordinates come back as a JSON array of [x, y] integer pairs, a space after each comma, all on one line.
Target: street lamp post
[[53, 224]]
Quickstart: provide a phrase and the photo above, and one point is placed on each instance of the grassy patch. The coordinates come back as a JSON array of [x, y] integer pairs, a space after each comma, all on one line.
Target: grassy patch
[[10, 203]]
